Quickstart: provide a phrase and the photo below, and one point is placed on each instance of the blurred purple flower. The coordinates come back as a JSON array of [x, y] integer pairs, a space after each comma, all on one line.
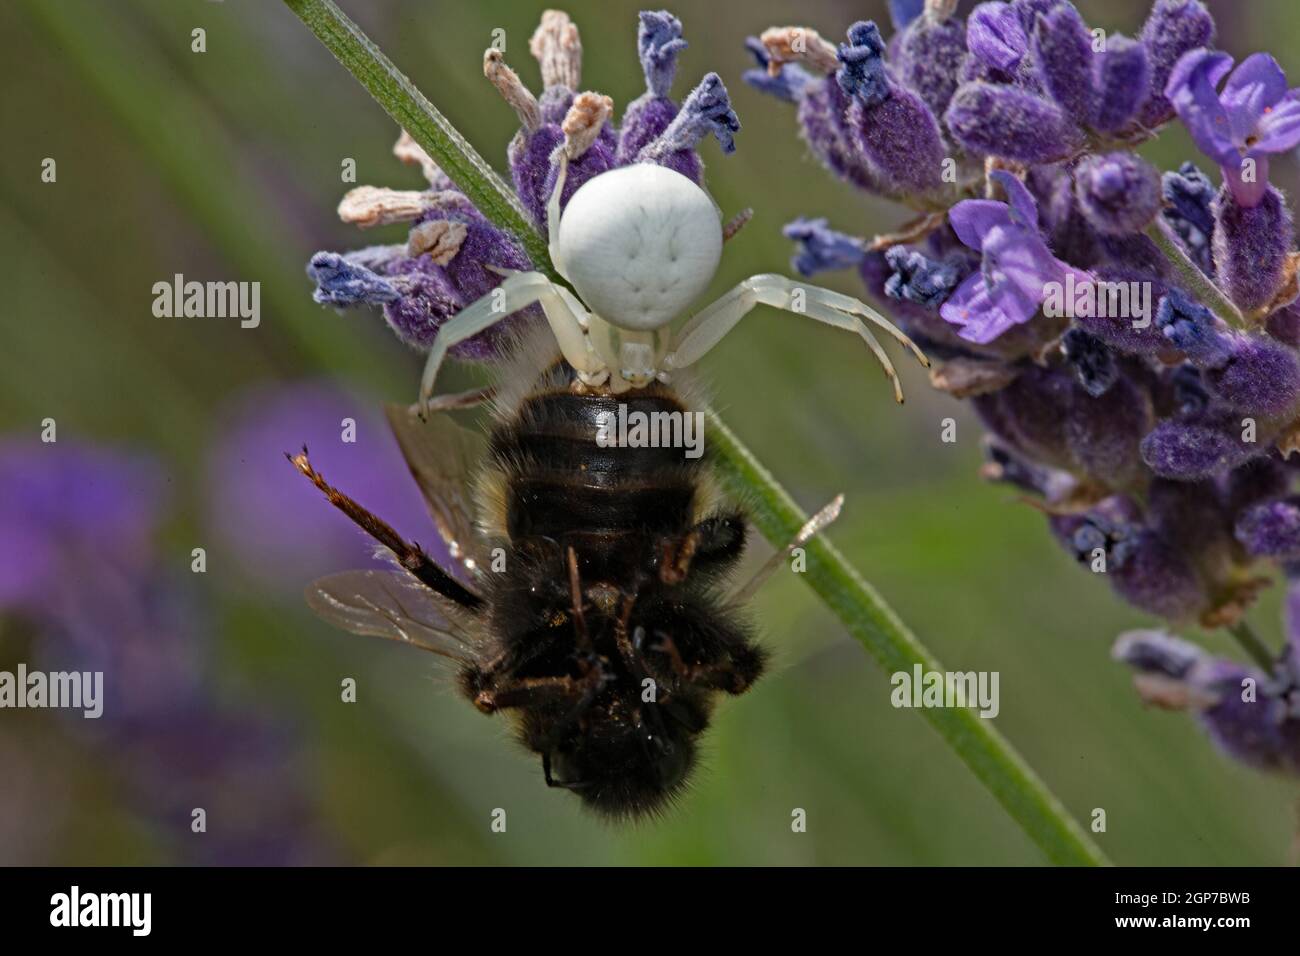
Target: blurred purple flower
[[82, 570]]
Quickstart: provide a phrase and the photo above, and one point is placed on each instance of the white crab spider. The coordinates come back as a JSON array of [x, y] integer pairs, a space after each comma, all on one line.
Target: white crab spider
[[639, 243]]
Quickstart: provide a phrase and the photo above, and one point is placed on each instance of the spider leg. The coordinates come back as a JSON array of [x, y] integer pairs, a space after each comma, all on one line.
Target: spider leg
[[553, 213], [518, 291], [712, 323]]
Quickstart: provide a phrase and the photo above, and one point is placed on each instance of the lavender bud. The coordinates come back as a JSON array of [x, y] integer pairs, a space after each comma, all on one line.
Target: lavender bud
[[862, 72], [929, 57], [342, 282], [996, 34], [1010, 123], [1156, 578], [1271, 529], [1062, 48], [1173, 28], [822, 123], [1191, 450], [1094, 364], [1119, 193], [1122, 77], [530, 167], [1104, 431], [1251, 247], [890, 125], [822, 249], [1027, 415], [428, 300], [1191, 328], [1261, 377], [918, 279], [1030, 10], [1191, 398], [1189, 195]]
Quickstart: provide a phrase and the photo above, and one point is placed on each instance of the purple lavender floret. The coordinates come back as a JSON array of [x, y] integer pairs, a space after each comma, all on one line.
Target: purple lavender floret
[[1189, 197], [918, 279], [1192, 329], [790, 84], [1253, 116], [1119, 193], [929, 56], [1173, 28], [997, 36], [1251, 715], [705, 112], [342, 282], [1251, 247], [1122, 77], [822, 249], [1012, 123], [1062, 47], [1271, 529]]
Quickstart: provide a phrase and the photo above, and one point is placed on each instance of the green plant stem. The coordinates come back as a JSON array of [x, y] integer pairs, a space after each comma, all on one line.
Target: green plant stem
[[993, 760], [875, 625], [1191, 276], [1252, 644]]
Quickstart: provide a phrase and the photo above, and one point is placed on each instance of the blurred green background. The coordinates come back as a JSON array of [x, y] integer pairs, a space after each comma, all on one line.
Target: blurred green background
[[226, 165]]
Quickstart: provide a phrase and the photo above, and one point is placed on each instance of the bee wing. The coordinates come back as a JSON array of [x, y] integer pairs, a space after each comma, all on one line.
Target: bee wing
[[390, 604], [441, 456]]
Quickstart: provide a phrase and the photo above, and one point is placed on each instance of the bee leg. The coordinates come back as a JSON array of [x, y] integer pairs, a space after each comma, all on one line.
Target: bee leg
[[518, 291], [713, 322], [735, 676], [527, 691], [810, 527]]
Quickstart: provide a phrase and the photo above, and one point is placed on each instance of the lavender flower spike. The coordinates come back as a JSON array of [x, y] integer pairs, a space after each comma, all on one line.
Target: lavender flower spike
[[822, 249], [1253, 116], [1016, 265]]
